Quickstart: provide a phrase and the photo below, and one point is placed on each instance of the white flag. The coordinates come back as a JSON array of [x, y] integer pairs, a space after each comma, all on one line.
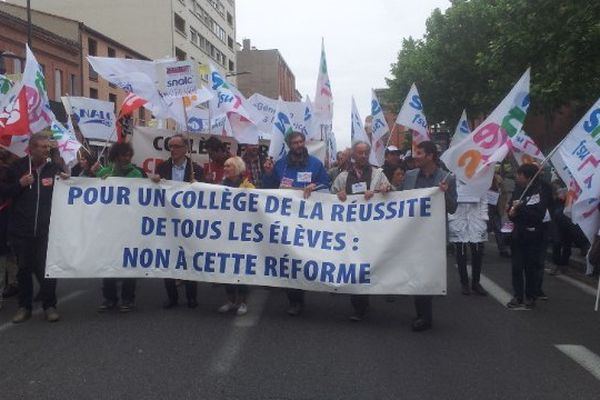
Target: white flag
[[66, 141], [95, 118], [524, 149], [379, 132], [471, 159], [411, 116], [38, 107], [462, 129], [282, 127], [357, 132]]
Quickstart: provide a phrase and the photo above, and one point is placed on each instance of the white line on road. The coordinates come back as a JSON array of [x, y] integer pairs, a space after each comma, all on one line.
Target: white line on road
[[64, 299], [582, 356], [494, 290], [580, 285], [224, 358]]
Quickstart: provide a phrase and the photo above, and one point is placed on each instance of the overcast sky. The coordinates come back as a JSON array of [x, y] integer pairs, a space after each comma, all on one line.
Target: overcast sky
[[362, 40]]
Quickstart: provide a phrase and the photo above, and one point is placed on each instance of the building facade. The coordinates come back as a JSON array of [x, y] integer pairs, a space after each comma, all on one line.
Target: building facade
[[61, 46], [200, 30], [265, 72]]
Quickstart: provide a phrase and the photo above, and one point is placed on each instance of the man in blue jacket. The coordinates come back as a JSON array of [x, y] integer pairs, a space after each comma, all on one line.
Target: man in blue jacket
[[300, 170]]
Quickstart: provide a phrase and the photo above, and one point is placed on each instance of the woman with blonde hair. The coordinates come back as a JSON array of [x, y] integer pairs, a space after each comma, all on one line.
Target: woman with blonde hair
[[233, 176]]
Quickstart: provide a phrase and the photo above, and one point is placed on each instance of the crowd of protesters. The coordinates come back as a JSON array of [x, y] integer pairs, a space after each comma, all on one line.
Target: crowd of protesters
[[525, 215]]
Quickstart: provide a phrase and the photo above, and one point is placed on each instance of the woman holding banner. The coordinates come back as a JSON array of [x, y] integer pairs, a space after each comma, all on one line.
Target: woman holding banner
[[233, 176], [119, 157]]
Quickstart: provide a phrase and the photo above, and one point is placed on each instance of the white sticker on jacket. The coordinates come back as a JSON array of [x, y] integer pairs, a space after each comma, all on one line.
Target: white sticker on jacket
[[533, 200]]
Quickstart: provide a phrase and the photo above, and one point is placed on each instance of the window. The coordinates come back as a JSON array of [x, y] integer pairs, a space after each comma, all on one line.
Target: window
[[93, 93], [179, 24], [58, 78], [230, 42], [73, 85], [17, 66], [92, 47], [231, 66], [112, 53], [93, 74], [194, 36], [230, 19], [113, 99], [180, 54]]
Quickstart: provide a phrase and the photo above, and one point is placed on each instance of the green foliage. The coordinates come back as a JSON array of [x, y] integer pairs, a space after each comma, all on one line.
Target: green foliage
[[472, 54]]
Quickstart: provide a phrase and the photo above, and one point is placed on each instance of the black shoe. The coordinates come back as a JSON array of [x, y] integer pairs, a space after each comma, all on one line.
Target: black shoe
[[126, 307], [294, 310], [515, 304], [529, 304], [192, 304], [10, 291], [420, 325], [169, 304], [107, 305], [542, 296], [477, 288], [465, 289]]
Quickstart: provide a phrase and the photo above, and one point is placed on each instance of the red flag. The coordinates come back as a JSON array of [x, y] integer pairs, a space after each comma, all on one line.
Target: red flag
[[14, 119], [131, 103]]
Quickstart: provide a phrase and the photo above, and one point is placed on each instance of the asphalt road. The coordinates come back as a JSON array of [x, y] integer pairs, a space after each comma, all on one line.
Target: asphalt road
[[477, 350]]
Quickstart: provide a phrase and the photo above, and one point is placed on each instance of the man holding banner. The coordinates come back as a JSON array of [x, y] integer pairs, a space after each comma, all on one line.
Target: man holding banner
[[360, 178], [180, 168], [30, 184], [429, 174], [297, 169]]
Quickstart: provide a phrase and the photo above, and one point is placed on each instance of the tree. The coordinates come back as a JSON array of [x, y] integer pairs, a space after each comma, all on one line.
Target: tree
[[472, 54]]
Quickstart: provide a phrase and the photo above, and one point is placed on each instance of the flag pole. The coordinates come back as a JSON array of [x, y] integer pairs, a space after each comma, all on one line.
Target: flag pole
[[541, 167], [391, 133]]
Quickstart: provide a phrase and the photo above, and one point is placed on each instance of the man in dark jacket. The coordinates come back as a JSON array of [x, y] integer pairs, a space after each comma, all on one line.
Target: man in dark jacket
[[297, 169], [30, 184], [527, 212], [429, 174], [179, 168]]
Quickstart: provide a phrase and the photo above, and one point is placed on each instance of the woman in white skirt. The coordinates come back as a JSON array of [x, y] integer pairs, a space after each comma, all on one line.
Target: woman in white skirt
[[467, 229]]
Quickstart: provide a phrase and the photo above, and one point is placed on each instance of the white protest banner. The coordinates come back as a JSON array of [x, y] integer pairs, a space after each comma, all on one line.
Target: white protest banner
[[274, 238], [95, 118], [151, 147], [411, 115], [471, 159]]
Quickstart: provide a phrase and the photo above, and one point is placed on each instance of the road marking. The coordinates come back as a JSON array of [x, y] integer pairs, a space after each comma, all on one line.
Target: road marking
[[580, 285], [494, 290], [582, 356], [68, 297], [224, 358]]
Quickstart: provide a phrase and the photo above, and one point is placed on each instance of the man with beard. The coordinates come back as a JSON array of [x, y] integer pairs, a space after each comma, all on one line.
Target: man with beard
[[299, 170], [360, 178], [429, 174]]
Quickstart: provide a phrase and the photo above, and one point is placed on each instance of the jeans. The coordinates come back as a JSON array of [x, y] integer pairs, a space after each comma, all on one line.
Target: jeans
[[31, 260], [109, 289], [525, 267], [191, 290]]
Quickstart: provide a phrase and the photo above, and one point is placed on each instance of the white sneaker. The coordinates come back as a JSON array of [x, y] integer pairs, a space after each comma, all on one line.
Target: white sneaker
[[226, 307], [242, 309]]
